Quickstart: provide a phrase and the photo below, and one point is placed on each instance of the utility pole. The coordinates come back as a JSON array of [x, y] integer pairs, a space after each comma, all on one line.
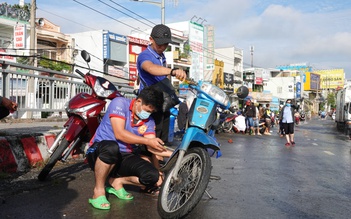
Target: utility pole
[[252, 51], [30, 98], [32, 31]]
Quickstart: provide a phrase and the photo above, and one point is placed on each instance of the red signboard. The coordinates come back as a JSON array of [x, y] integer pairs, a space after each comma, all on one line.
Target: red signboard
[[19, 36], [258, 81], [136, 46]]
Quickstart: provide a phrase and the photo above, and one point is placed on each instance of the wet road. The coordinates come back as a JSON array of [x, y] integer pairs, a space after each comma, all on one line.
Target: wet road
[[257, 177]]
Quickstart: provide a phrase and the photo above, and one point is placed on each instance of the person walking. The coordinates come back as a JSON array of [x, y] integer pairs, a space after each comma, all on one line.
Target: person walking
[[152, 68], [287, 122]]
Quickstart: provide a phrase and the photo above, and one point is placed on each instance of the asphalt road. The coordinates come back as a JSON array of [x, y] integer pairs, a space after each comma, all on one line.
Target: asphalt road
[[257, 177]]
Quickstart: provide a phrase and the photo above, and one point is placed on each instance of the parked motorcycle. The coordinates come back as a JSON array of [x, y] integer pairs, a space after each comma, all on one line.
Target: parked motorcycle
[[297, 118], [302, 116], [84, 115], [227, 122], [187, 172]]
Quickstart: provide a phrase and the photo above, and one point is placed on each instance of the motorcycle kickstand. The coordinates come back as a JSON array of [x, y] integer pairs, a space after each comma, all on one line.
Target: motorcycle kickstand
[[208, 194]]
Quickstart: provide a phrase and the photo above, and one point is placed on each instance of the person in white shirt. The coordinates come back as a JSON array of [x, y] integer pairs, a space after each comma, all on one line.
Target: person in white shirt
[[240, 124]]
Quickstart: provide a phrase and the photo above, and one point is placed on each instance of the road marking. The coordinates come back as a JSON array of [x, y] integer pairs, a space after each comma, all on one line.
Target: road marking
[[315, 144], [328, 152]]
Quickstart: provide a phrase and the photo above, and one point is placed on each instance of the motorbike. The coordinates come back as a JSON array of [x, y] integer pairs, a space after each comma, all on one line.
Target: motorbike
[[84, 116], [187, 171], [302, 116], [227, 122], [297, 118]]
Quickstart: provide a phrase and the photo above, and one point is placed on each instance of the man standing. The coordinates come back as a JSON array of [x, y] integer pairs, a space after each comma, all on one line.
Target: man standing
[[250, 114], [152, 68]]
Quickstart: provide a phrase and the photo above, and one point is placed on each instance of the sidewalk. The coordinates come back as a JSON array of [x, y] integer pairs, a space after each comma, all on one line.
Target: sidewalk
[[24, 143]]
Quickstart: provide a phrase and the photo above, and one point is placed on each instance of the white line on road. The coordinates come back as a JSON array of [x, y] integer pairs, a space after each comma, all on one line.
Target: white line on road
[[328, 152]]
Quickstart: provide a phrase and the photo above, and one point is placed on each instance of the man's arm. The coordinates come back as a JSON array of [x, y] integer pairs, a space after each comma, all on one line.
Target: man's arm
[[8, 104], [159, 70], [122, 134]]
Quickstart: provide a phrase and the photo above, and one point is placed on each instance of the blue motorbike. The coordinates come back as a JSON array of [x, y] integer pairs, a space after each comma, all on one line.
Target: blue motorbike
[[188, 170]]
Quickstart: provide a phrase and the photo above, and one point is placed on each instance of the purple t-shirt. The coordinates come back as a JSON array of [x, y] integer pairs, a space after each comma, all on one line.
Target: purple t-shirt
[[122, 108], [150, 55]]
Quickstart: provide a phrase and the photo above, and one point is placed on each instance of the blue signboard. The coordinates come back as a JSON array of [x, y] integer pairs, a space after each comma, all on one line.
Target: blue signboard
[[298, 90]]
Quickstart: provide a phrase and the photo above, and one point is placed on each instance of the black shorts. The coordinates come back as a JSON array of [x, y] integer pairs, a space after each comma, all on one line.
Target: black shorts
[[288, 128], [126, 164]]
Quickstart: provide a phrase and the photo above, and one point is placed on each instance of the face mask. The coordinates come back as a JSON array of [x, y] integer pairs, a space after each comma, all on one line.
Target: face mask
[[143, 114], [288, 104]]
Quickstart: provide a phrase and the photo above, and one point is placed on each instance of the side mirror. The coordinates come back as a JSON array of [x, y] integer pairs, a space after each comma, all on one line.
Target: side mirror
[[242, 92], [85, 55]]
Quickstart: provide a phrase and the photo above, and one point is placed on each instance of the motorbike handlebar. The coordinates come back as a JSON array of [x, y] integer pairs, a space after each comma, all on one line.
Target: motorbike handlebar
[[80, 73]]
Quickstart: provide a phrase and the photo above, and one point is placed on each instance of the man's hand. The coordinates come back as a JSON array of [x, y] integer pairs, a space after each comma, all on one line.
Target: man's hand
[[156, 144], [12, 106], [179, 74]]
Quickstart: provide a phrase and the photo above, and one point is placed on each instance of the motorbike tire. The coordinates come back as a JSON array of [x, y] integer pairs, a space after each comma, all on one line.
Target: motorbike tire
[[178, 198], [228, 126], [56, 155]]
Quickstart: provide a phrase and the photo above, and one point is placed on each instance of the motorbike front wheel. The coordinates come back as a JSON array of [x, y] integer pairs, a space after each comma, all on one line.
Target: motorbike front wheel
[[178, 197], [56, 155]]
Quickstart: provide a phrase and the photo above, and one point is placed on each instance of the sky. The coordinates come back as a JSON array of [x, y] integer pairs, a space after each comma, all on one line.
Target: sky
[[282, 32]]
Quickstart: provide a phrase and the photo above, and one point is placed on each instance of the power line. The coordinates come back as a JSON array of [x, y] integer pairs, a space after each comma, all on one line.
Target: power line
[[66, 19], [132, 12], [104, 14], [124, 13]]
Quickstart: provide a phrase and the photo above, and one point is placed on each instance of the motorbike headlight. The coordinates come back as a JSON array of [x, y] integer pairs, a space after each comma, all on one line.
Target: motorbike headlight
[[215, 93], [101, 91]]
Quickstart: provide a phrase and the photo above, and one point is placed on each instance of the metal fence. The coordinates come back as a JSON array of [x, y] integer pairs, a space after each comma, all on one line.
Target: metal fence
[[40, 92]]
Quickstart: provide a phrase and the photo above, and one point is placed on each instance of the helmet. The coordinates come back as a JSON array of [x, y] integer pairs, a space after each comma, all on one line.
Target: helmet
[[242, 92]]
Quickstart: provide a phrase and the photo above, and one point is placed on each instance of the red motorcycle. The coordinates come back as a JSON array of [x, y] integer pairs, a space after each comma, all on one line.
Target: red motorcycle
[[84, 116], [297, 118]]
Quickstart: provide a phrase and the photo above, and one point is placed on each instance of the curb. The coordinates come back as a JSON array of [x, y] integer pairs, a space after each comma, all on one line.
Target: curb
[[20, 153]]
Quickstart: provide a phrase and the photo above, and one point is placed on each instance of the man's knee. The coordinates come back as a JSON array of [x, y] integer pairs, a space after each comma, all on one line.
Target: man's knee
[[149, 177]]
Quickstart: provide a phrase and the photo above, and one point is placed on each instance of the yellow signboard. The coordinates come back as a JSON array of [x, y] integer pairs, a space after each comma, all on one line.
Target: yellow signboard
[[331, 79], [218, 77]]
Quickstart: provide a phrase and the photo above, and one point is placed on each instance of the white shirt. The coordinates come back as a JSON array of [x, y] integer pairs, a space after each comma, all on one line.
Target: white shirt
[[240, 123]]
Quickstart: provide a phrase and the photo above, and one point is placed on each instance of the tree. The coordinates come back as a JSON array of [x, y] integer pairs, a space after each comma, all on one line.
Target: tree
[[331, 100]]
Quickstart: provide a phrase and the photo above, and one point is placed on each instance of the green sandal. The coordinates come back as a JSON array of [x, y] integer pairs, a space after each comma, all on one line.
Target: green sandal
[[120, 193], [100, 203]]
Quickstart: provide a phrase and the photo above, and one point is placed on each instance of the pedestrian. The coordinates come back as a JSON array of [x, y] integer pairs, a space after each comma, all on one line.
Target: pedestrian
[[250, 114], [267, 119], [152, 68], [115, 151], [257, 119], [287, 121], [6, 106]]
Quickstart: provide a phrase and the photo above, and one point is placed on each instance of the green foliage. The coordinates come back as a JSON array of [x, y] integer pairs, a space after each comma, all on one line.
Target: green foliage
[[54, 65], [23, 60], [331, 100]]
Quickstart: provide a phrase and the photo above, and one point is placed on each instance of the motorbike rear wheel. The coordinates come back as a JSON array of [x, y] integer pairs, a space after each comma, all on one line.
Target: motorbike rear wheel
[[179, 197], [227, 126], [56, 155]]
